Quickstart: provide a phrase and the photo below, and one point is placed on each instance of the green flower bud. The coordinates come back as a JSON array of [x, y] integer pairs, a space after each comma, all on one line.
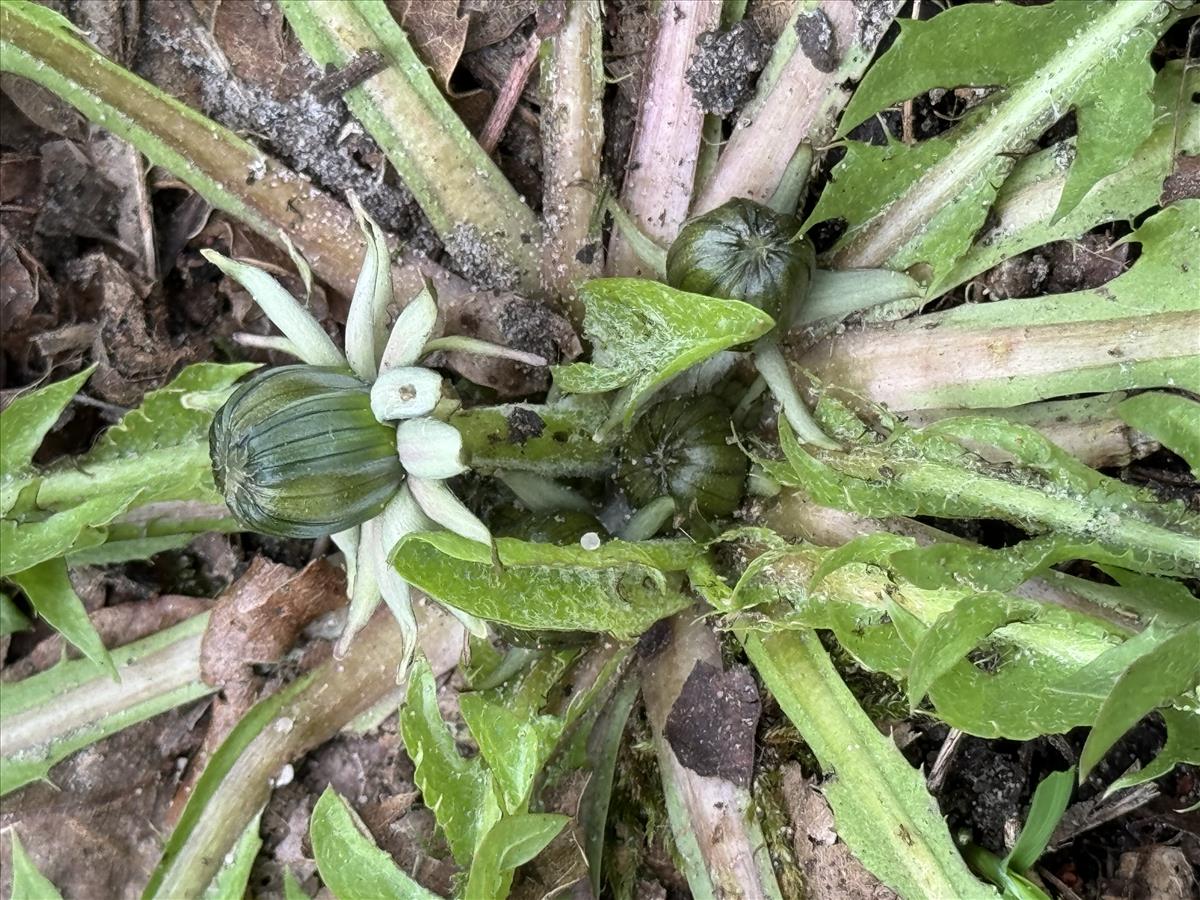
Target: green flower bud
[[744, 251], [680, 449], [297, 452]]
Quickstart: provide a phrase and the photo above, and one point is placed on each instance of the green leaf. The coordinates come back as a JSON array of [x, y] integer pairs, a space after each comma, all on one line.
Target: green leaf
[[1169, 669], [646, 333], [51, 595], [27, 544], [1044, 61], [1098, 677], [178, 413], [1182, 746], [1049, 802], [1004, 570], [458, 790], [25, 422], [938, 471], [511, 842], [876, 549], [619, 589], [1050, 58], [514, 746], [883, 810], [234, 875], [27, 882], [956, 633], [1021, 217], [880, 620], [351, 864], [1171, 419], [12, 619], [160, 448]]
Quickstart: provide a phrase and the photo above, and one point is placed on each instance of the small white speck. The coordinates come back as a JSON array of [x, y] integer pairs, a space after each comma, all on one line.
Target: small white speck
[[285, 776], [590, 541]]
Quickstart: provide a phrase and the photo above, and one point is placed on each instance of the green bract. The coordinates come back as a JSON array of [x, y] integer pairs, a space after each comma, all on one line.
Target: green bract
[[680, 449], [297, 452], [744, 251]]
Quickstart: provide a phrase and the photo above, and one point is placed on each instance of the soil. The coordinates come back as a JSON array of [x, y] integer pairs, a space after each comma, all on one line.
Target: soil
[[100, 263]]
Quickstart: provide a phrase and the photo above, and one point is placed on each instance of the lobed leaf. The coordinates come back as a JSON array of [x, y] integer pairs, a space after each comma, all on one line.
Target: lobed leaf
[[25, 423], [25, 544], [511, 842], [12, 619], [460, 791], [1022, 215], [957, 632], [619, 589], [922, 203], [351, 864], [1169, 669], [937, 470], [513, 745], [1182, 746], [881, 620], [645, 333]]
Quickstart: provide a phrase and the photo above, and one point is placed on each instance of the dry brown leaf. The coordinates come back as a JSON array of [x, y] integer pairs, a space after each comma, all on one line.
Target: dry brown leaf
[[256, 621], [134, 351], [491, 21], [437, 32], [258, 618]]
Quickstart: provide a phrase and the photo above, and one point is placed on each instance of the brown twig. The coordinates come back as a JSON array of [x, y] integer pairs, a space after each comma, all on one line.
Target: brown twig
[[549, 20]]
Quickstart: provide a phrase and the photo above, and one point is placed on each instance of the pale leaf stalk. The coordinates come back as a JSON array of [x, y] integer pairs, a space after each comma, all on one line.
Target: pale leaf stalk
[[572, 138], [55, 713], [716, 830], [337, 692], [798, 99], [883, 811], [459, 188], [661, 172], [944, 361]]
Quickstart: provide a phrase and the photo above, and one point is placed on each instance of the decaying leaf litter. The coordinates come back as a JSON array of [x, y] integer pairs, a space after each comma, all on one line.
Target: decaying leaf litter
[[1034, 206]]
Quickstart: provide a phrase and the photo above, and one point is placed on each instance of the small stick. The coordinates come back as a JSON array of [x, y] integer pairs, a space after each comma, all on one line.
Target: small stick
[[510, 92], [941, 765], [333, 84]]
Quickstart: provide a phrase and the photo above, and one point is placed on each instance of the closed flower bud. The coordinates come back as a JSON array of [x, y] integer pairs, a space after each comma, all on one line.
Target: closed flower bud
[[297, 452], [744, 251], [680, 449]]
